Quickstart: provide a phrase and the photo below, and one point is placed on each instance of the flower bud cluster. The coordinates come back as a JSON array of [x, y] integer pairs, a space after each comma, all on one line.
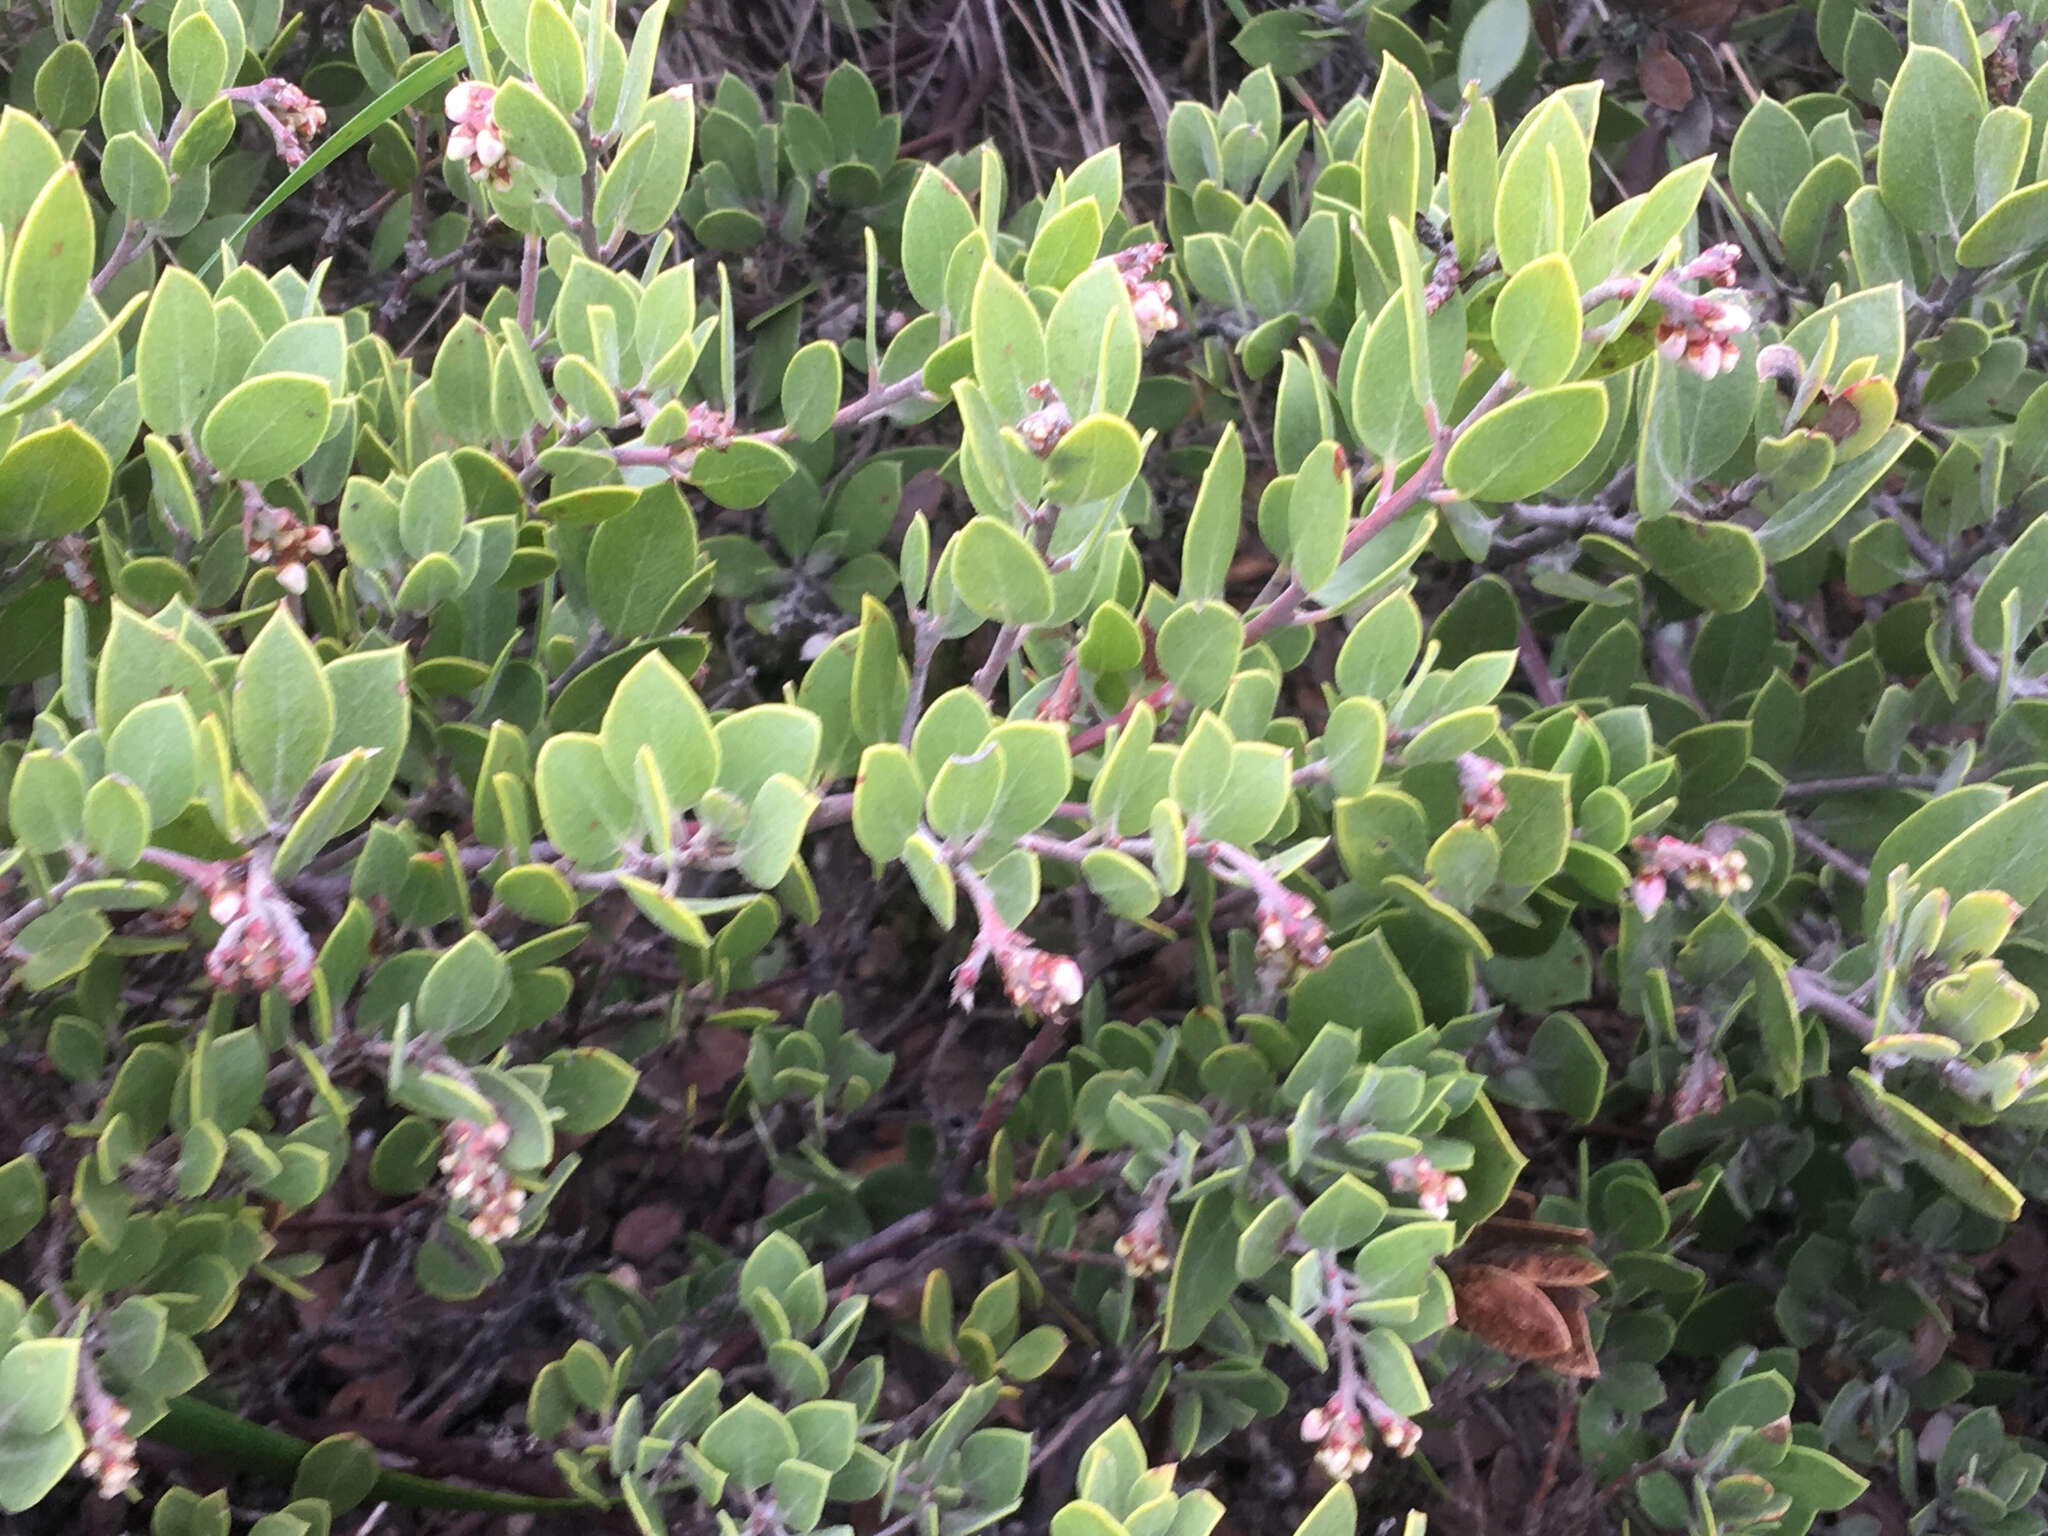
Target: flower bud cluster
[[1479, 794], [1291, 934], [293, 118], [707, 426], [281, 539], [474, 137], [261, 944], [1143, 1246], [1339, 1428], [1043, 428], [304, 117], [478, 1182], [1436, 1191], [1046, 983], [1704, 335], [1151, 301], [1697, 866], [1399, 1434], [1702, 331], [109, 1449]]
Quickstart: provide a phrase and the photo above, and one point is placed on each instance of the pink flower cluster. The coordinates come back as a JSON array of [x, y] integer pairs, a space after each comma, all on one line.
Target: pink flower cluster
[[282, 540], [1706, 339], [1339, 1428], [478, 1182], [475, 139], [1143, 1247], [301, 114], [1703, 331], [1047, 984], [261, 944], [109, 1448], [1712, 864], [1043, 428], [707, 426], [1479, 793], [1151, 301], [1436, 1191], [1291, 934], [293, 118]]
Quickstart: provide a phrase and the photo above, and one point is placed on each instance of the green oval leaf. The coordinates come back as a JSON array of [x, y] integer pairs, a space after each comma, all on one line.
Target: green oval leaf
[[1528, 444]]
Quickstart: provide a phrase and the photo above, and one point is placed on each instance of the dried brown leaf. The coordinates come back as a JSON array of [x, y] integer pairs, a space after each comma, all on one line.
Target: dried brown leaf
[[1579, 1359], [1550, 1267], [1517, 1229], [1510, 1313], [647, 1231], [1666, 82]]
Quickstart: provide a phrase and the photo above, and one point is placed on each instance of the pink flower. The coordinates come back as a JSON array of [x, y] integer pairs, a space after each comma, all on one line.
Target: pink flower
[[1713, 864], [477, 1181], [467, 100], [1479, 788], [299, 112], [1340, 1429], [475, 138], [1043, 428], [1400, 1434], [1143, 1247], [1047, 984], [1702, 333], [1151, 302], [1436, 1190], [110, 1449], [1291, 932], [282, 540]]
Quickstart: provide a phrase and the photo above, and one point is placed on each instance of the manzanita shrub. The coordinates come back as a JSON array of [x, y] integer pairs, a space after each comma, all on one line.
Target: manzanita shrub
[[1537, 665]]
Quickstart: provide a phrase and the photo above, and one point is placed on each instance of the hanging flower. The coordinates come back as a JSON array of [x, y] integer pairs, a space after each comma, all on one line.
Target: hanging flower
[[1339, 1429], [478, 1182], [1143, 1247], [1712, 864], [1479, 794], [109, 1449], [1046, 983], [282, 540], [1436, 1190], [1151, 301], [475, 138], [1043, 428]]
